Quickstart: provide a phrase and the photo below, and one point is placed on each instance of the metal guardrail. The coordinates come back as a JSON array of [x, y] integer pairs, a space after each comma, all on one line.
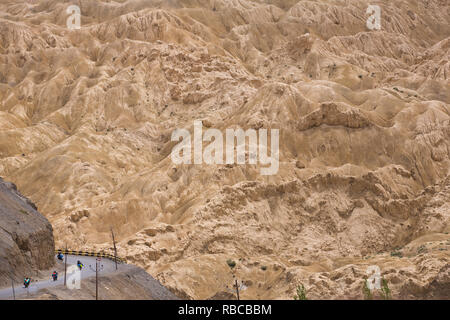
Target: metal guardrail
[[90, 254]]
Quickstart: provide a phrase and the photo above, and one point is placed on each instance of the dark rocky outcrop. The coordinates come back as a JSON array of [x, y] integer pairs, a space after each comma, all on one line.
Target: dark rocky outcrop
[[26, 237]]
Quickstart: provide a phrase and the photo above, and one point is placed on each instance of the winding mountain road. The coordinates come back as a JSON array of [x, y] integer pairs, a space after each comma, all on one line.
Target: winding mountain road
[[107, 267]]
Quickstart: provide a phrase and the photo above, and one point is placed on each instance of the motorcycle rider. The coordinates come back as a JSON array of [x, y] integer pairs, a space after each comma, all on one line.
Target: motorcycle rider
[[26, 282], [79, 264], [60, 256], [55, 275]]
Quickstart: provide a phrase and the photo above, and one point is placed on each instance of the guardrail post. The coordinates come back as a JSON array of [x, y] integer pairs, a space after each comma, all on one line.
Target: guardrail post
[[115, 249], [65, 268], [96, 279], [237, 288], [12, 285]]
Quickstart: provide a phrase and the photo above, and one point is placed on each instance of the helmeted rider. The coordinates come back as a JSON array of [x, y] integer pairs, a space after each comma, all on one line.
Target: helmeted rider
[[26, 282], [79, 264], [55, 275]]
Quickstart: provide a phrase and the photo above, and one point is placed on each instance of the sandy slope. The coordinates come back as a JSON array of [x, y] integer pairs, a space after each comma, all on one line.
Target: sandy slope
[[86, 118]]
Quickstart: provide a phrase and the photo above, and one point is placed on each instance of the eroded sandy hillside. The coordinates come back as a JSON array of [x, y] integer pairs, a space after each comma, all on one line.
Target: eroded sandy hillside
[[86, 118]]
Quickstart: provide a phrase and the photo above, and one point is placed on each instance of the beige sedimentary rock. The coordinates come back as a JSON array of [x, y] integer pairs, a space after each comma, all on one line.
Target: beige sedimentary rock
[[86, 118]]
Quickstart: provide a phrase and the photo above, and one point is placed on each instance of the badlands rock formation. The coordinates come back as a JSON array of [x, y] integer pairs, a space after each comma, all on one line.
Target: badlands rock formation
[[86, 117]]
